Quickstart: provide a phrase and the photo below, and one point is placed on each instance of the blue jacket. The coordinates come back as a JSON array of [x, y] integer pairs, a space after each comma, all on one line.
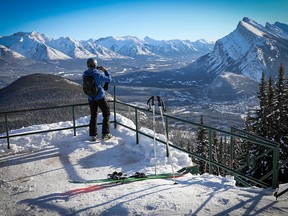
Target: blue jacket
[[100, 79]]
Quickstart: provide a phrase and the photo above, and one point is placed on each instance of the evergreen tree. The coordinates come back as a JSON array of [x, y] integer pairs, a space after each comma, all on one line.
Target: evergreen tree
[[262, 113], [226, 160], [215, 153], [247, 146], [249, 123], [262, 123], [271, 127], [202, 146], [279, 107], [224, 154], [281, 124], [220, 154], [285, 135], [271, 121]]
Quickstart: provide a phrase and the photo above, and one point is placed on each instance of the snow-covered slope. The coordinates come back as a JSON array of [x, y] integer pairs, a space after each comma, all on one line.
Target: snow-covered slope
[[179, 47], [249, 50], [9, 56], [127, 45], [133, 46], [34, 178], [70, 47], [32, 45], [8, 53], [231, 86], [100, 51]]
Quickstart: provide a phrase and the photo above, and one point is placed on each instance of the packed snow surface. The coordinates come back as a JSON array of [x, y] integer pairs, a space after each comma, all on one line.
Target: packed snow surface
[[35, 174]]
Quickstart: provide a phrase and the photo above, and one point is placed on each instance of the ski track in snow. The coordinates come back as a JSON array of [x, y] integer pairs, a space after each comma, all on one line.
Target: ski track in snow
[[35, 172]]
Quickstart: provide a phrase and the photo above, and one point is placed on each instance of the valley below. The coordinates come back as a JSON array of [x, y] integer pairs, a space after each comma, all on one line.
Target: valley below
[[137, 80]]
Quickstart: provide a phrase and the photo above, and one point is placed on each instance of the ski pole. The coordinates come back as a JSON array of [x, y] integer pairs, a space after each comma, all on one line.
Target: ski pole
[[161, 108], [151, 102]]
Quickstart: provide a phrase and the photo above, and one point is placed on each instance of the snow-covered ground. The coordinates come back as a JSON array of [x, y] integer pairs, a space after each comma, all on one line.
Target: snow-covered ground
[[35, 173]]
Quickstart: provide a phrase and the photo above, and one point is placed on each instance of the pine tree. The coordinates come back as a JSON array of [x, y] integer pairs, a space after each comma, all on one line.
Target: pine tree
[[202, 146], [227, 146], [249, 123], [285, 135], [271, 121], [260, 125], [281, 118], [270, 104], [220, 154], [215, 153], [279, 107]]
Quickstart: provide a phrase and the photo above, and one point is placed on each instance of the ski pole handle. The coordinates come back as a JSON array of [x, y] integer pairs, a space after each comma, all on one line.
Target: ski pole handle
[[150, 102], [161, 103]]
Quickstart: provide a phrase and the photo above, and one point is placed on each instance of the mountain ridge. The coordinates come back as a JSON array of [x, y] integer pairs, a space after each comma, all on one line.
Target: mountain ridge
[[249, 50], [65, 48]]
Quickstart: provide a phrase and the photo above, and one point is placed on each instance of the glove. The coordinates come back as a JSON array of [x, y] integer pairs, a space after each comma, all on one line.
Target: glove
[[106, 86]]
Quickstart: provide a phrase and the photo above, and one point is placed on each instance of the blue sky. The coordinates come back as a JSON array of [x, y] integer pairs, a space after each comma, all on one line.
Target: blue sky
[[158, 19]]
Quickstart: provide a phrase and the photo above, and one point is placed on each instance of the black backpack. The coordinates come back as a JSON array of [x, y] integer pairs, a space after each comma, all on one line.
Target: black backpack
[[89, 86]]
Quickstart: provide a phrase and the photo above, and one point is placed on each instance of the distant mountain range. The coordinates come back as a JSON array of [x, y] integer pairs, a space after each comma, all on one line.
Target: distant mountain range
[[233, 68], [249, 50], [230, 68], [39, 47]]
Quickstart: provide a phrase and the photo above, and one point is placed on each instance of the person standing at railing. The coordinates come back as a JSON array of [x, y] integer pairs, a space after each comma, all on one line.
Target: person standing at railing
[[98, 99]]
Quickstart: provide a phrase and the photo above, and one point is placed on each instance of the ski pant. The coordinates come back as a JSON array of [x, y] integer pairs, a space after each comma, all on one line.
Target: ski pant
[[104, 107]]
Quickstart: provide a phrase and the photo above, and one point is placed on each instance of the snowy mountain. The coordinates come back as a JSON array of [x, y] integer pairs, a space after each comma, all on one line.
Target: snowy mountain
[[32, 45], [40, 47], [7, 56], [179, 47], [133, 46], [127, 46], [100, 51], [8, 53], [249, 50], [70, 47], [229, 86]]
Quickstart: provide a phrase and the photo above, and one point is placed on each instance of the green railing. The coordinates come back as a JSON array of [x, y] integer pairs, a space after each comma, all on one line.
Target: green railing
[[234, 134], [241, 177]]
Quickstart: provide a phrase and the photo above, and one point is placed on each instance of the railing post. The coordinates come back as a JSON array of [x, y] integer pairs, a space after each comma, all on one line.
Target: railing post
[[137, 128], [167, 129], [7, 131], [114, 107], [74, 123], [232, 142], [275, 167], [210, 150]]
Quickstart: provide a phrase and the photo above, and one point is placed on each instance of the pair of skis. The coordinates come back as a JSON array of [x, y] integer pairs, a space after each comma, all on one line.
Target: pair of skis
[[162, 108], [133, 178]]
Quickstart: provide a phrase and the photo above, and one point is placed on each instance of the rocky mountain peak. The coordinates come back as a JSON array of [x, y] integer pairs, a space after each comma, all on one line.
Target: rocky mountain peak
[[249, 50]]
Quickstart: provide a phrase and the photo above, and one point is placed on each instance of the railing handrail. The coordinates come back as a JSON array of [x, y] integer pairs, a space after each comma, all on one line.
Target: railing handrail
[[261, 141], [42, 108]]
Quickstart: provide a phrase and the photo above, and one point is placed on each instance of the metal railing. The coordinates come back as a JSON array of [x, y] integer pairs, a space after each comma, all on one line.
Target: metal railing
[[272, 147]]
